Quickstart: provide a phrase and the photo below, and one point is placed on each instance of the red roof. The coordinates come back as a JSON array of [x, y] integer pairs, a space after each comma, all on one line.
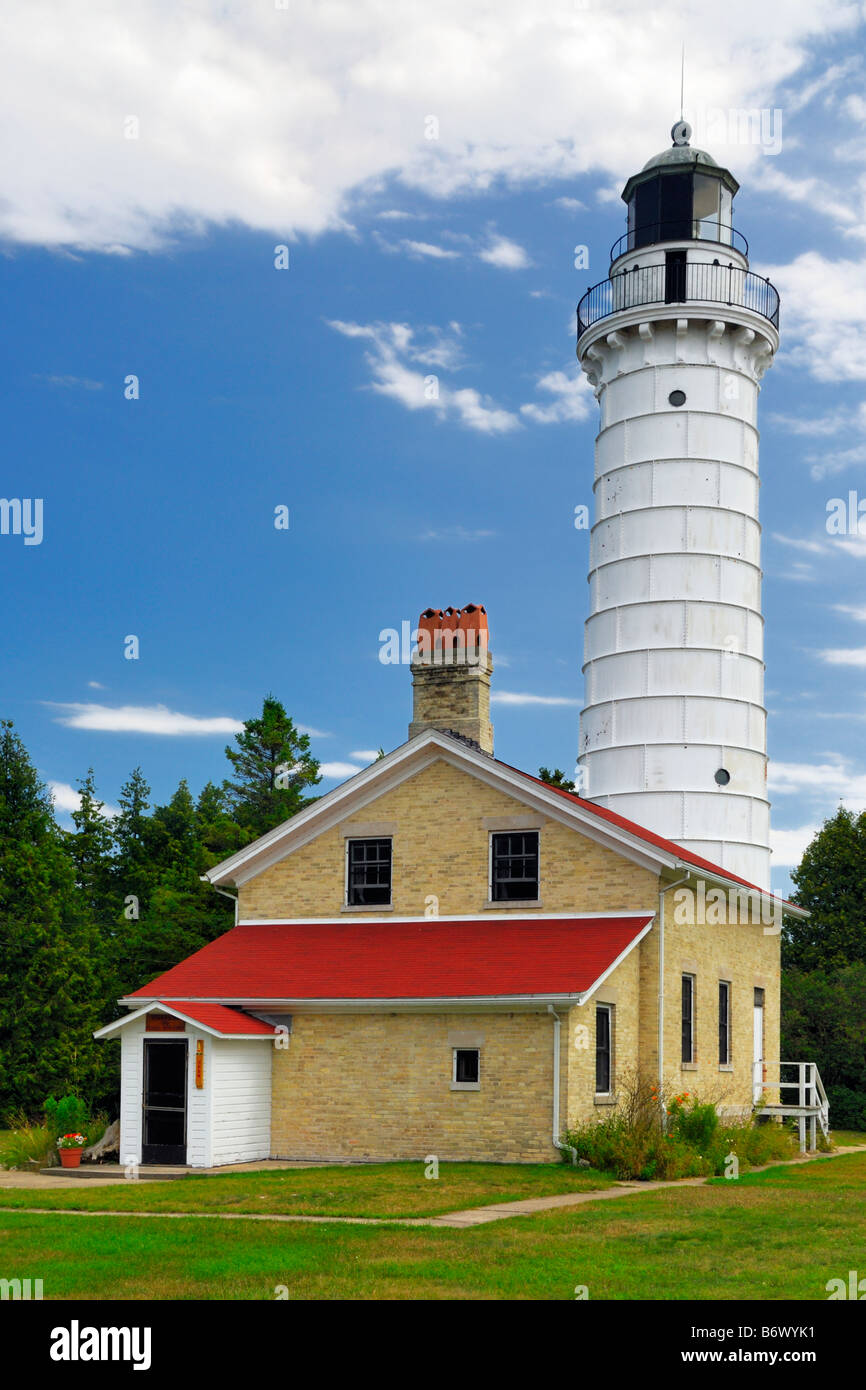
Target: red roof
[[648, 835], [222, 1019], [427, 959]]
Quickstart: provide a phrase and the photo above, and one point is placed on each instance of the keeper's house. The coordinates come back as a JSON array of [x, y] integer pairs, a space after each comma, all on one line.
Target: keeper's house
[[446, 955]]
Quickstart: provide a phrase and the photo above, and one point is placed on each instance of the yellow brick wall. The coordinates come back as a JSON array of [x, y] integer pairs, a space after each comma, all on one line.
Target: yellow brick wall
[[378, 1086], [746, 953], [440, 847]]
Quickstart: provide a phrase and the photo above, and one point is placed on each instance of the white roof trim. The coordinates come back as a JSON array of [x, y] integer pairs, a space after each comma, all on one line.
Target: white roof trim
[[588, 993], [347, 920], [415, 755], [155, 1003]]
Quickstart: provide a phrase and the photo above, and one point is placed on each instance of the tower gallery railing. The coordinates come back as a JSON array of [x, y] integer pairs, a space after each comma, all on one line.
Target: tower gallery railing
[[693, 282]]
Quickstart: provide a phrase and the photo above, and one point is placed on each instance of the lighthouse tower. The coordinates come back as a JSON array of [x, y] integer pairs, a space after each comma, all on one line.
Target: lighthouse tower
[[675, 342]]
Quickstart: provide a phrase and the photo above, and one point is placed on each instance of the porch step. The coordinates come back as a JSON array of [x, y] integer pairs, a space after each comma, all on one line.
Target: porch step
[[147, 1172]]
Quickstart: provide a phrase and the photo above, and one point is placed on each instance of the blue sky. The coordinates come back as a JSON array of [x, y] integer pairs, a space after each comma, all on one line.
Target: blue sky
[[409, 257]]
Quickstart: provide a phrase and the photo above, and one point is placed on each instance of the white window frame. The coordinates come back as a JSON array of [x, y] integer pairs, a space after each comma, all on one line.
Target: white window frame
[[692, 1060], [608, 1009], [464, 1085]]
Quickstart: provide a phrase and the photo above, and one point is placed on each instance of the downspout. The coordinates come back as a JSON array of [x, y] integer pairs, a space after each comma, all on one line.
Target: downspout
[[557, 1143], [232, 897], [661, 993]]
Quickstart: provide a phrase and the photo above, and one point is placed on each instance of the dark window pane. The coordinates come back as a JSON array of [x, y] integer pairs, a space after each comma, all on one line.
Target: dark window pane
[[724, 1023], [515, 866], [369, 872], [466, 1067], [675, 277], [602, 1051], [646, 213], [688, 1017], [676, 207]]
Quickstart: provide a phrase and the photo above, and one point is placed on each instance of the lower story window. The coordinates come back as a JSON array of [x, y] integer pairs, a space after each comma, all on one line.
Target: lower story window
[[603, 1048], [466, 1066], [688, 1018], [724, 1023]]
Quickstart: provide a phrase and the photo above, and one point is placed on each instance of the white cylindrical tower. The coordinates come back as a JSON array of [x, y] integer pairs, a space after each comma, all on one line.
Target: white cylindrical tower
[[675, 343]]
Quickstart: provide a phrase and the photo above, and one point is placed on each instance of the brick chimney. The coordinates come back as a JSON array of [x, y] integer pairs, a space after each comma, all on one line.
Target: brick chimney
[[451, 672]]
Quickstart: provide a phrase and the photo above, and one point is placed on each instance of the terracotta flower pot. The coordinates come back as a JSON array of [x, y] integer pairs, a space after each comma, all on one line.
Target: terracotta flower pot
[[70, 1158]]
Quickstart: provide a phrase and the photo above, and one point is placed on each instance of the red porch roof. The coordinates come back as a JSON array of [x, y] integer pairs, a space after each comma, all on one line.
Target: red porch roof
[[423, 959], [223, 1020]]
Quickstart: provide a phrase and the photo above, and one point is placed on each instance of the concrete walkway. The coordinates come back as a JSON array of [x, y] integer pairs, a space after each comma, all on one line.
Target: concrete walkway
[[473, 1216]]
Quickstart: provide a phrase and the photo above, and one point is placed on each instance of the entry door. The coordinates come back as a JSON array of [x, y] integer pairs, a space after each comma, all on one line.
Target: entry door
[[164, 1102], [758, 1073], [675, 277]]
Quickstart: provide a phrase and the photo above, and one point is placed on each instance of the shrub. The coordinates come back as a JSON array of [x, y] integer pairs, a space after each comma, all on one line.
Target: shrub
[[847, 1107], [65, 1115], [633, 1142], [28, 1145]]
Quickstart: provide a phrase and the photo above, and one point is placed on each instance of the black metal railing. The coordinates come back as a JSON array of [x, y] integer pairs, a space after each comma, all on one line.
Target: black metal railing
[[692, 282], [681, 230]]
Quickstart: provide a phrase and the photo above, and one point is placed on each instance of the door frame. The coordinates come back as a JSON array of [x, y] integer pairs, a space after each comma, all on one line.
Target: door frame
[[157, 1041]]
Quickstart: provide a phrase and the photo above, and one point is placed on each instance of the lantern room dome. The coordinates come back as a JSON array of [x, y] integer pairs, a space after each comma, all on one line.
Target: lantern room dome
[[680, 154]]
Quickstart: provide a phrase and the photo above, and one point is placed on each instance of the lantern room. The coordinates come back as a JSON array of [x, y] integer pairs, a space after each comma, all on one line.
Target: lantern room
[[679, 195]]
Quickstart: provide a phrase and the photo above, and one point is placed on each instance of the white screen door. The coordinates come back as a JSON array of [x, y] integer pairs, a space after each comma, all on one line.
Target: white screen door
[[758, 1071]]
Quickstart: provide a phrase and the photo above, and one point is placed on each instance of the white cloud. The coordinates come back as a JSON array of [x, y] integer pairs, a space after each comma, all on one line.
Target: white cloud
[[67, 799], [72, 382], [365, 755], [338, 770], [425, 248], [395, 355], [455, 533], [273, 117], [789, 846], [851, 611], [95, 685], [505, 255], [142, 719], [569, 204], [844, 656], [311, 732], [825, 309], [508, 697], [799, 543], [572, 399], [825, 783]]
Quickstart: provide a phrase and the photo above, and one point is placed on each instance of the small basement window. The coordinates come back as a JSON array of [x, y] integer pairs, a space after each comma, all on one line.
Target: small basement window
[[466, 1069], [368, 873], [514, 866]]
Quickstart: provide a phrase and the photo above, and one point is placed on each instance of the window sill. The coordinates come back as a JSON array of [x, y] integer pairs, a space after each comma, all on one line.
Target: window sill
[[465, 1085], [726, 1066], [604, 1100], [688, 1066], [368, 907], [507, 903]]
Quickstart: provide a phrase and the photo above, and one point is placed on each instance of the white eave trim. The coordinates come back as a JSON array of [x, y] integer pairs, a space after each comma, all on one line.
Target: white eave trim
[[152, 1004], [517, 916]]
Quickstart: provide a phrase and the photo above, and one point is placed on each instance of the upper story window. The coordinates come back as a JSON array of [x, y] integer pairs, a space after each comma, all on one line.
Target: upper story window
[[514, 866], [368, 873]]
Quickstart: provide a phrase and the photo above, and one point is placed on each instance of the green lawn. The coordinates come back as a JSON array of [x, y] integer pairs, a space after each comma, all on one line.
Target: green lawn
[[778, 1234], [844, 1138], [381, 1189]]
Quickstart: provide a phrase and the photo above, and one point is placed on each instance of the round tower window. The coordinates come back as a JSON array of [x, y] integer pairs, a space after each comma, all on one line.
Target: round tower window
[[723, 777], [677, 398]]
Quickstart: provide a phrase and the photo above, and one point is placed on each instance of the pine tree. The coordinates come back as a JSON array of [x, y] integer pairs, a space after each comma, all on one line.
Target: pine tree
[[49, 952], [90, 846], [273, 766]]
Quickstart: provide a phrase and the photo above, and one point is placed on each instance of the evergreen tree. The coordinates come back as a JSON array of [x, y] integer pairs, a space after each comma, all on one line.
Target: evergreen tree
[[829, 882], [557, 778], [49, 957], [132, 876], [272, 766], [90, 846]]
